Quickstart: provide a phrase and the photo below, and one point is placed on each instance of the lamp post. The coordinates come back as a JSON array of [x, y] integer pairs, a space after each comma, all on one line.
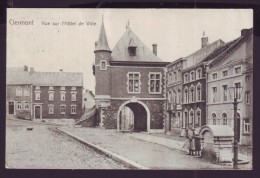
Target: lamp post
[[235, 93]]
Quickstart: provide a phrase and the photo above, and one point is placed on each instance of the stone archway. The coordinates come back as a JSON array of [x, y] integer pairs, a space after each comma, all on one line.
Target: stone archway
[[141, 116]]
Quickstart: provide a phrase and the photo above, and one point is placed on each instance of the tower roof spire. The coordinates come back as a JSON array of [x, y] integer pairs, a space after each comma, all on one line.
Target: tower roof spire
[[102, 41]]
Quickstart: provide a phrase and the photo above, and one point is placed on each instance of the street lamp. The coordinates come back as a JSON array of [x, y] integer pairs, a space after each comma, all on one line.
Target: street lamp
[[235, 93]]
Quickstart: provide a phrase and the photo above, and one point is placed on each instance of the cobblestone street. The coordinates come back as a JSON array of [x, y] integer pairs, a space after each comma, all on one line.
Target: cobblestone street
[[46, 147]]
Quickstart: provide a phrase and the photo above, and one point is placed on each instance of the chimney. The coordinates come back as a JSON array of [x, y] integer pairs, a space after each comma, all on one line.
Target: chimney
[[61, 70], [31, 69], [96, 43], [155, 49], [25, 68], [246, 32], [204, 41]]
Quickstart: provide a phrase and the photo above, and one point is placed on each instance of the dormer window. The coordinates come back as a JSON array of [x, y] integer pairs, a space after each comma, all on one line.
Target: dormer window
[[132, 50]]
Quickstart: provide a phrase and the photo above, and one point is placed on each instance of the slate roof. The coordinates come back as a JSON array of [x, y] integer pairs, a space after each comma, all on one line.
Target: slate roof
[[14, 77], [57, 79], [44, 78], [102, 41], [143, 53]]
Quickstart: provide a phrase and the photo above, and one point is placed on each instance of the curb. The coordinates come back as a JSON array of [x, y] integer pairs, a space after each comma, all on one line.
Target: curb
[[110, 154]]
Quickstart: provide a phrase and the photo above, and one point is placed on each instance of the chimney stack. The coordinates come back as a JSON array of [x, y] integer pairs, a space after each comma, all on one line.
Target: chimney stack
[[155, 49], [96, 43], [25, 68], [246, 32], [31, 69], [204, 41], [61, 70]]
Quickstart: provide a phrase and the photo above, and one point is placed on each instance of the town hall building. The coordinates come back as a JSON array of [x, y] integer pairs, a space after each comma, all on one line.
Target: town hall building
[[130, 84]]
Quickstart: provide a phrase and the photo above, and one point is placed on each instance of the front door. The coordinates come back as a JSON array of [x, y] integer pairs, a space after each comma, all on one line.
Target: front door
[[11, 107], [37, 112]]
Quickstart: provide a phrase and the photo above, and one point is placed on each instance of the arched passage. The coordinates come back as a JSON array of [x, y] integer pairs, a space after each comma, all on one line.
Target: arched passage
[[133, 116]]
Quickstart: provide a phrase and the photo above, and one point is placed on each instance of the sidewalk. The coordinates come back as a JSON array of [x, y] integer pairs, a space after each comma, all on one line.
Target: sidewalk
[[141, 150]]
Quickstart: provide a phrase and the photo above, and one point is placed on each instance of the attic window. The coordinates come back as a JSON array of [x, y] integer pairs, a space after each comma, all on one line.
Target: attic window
[[132, 50]]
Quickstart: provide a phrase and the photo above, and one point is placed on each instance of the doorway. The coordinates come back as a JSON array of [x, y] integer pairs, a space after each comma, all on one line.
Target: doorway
[[11, 107], [37, 112]]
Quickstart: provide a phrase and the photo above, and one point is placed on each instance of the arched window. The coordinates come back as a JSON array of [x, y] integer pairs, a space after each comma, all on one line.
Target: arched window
[[169, 96], [169, 78], [186, 119], [186, 96], [192, 76], [192, 94], [191, 119], [198, 118], [175, 76], [214, 118], [198, 92], [199, 73], [224, 118], [179, 75], [174, 96], [186, 78], [179, 96]]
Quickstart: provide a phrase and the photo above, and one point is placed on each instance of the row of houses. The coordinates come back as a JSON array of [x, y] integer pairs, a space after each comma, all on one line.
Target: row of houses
[[38, 95], [198, 86], [136, 90]]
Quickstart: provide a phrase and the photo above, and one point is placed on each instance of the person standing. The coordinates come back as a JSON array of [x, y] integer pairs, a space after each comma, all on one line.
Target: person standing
[[190, 136]]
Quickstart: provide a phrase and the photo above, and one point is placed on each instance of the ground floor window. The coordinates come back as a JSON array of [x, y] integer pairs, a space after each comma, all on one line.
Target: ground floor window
[[51, 109], [19, 105], [246, 126], [73, 109], [26, 105], [62, 109]]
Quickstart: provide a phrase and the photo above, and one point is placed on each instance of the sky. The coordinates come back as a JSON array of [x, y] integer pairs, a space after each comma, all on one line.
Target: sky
[[57, 46]]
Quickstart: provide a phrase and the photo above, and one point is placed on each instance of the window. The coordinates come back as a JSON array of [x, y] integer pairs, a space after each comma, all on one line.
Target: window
[[199, 73], [198, 93], [192, 94], [246, 126], [225, 92], [238, 85], [174, 77], [224, 73], [19, 91], [62, 96], [103, 65], [51, 109], [186, 96], [169, 78], [62, 88], [237, 70], [174, 97], [155, 83], [214, 76], [214, 94], [62, 109], [37, 95], [224, 118], [134, 82], [170, 96], [73, 88], [186, 78], [73, 109], [198, 118], [186, 119], [26, 91], [191, 118], [248, 97], [73, 97], [214, 119], [179, 96], [51, 96], [192, 76], [26, 105], [132, 50], [248, 78], [19, 105]]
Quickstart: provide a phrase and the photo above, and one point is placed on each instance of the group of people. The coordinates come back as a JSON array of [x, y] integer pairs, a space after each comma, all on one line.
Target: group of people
[[194, 144]]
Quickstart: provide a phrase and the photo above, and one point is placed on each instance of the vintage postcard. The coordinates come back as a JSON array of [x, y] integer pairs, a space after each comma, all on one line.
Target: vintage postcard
[[129, 89]]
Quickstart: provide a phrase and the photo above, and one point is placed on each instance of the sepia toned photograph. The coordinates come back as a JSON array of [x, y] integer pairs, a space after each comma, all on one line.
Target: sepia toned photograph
[[152, 89]]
